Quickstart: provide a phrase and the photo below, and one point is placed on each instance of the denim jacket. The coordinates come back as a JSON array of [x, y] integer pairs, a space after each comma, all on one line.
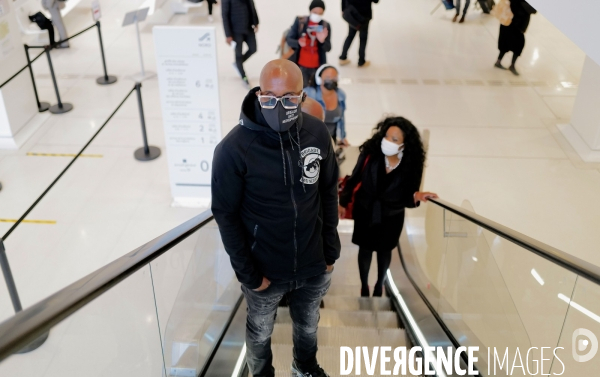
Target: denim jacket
[[317, 95]]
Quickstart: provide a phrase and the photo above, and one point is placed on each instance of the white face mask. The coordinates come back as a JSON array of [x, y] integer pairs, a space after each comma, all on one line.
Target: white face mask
[[316, 18], [389, 149]]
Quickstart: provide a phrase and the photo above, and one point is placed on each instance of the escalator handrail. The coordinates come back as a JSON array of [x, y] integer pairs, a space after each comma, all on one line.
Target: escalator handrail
[[556, 256], [34, 322]]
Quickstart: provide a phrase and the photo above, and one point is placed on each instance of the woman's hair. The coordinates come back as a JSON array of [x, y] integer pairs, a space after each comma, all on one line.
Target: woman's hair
[[414, 153]]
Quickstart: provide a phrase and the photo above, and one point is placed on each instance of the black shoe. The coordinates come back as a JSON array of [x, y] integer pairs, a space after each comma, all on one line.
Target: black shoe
[[378, 291], [364, 292], [315, 372], [499, 65], [462, 19], [513, 70], [455, 18], [322, 306]]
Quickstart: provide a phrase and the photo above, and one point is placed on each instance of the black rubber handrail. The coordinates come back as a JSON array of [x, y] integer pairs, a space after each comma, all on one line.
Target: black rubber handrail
[[32, 323], [567, 261]]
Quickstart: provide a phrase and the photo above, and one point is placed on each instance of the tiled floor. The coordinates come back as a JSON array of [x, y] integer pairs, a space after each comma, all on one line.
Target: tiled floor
[[493, 136]]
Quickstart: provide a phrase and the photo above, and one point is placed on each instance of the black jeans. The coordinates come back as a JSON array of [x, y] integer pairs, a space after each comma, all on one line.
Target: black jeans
[[240, 58], [363, 35], [304, 300]]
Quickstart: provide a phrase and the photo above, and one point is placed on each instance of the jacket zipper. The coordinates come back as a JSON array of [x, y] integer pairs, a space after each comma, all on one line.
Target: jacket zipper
[[295, 211], [254, 244]]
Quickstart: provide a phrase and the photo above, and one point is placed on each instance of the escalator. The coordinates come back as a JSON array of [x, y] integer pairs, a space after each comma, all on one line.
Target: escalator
[[173, 307]]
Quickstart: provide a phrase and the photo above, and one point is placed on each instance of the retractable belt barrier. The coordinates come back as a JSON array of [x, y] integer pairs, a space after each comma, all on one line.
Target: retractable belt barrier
[[60, 107], [145, 153]]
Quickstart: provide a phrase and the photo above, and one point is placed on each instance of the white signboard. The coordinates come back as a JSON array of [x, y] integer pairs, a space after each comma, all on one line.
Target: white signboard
[[186, 59]]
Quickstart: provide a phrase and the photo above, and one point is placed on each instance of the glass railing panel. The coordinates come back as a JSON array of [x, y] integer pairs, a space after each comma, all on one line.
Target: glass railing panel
[[424, 258], [475, 302], [581, 331], [534, 284], [196, 292], [115, 335]]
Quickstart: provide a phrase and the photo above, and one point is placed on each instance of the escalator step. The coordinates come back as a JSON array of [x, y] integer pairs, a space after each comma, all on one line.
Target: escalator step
[[328, 357], [349, 303], [335, 318], [342, 336]]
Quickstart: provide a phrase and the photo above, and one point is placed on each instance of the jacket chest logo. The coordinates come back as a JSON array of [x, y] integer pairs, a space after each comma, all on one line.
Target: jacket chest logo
[[311, 161]]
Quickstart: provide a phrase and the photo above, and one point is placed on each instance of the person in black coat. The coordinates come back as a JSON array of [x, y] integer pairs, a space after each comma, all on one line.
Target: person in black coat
[[310, 37], [240, 22], [389, 170], [512, 37], [363, 7]]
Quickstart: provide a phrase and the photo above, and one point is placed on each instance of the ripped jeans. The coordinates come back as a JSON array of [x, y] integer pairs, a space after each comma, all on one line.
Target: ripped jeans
[[304, 300]]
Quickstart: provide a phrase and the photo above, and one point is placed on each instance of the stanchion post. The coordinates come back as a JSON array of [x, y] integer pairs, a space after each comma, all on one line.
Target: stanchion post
[[8, 278], [60, 107], [42, 106], [14, 297], [145, 153], [106, 79]]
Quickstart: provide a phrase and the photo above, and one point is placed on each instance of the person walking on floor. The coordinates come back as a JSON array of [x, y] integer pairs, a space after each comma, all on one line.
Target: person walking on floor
[[512, 37], [389, 169], [274, 198], [363, 8], [462, 19], [310, 37], [240, 22], [323, 87]]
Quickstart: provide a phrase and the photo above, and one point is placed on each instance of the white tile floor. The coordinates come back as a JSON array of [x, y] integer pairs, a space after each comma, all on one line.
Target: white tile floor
[[493, 136]]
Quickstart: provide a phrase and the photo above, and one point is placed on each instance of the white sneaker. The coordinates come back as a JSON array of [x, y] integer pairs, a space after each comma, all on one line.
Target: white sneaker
[[236, 69], [210, 19]]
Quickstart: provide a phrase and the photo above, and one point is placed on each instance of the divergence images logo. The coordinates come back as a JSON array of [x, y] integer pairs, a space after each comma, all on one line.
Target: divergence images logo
[[205, 37], [580, 345]]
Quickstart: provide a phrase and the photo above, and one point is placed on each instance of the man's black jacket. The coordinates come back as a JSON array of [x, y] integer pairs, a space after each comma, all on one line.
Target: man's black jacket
[[274, 197]]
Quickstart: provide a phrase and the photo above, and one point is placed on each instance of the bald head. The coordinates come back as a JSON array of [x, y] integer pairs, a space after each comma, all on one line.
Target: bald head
[[280, 77], [314, 108]]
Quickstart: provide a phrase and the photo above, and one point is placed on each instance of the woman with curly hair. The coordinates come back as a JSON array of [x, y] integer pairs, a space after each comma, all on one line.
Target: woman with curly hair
[[389, 171]]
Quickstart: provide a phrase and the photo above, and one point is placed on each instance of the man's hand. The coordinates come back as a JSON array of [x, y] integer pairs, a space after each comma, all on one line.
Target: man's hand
[[322, 35], [255, 27], [329, 268], [265, 284], [229, 40], [424, 196], [341, 212]]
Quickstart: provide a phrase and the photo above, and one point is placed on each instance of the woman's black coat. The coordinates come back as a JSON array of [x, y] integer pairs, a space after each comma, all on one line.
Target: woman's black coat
[[378, 215]]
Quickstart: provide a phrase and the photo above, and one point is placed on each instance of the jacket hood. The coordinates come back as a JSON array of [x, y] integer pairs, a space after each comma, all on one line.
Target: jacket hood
[[251, 116]]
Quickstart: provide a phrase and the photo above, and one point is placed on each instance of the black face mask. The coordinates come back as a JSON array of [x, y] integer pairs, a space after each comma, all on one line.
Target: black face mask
[[330, 84], [281, 119]]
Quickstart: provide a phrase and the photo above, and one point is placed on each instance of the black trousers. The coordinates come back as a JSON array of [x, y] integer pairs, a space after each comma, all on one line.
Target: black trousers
[[240, 57], [363, 35], [384, 258]]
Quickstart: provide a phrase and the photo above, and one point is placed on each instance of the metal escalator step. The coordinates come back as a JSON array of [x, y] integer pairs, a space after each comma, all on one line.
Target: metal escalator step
[[328, 358], [344, 289], [349, 303], [342, 336], [335, 318]]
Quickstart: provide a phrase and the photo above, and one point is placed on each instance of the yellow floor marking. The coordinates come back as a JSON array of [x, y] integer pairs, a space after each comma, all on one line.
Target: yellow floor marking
[[28, 221], [63, 155]]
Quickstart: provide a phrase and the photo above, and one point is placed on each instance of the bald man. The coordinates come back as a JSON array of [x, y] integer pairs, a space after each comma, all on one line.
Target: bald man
[[274, 197], [314, 108]]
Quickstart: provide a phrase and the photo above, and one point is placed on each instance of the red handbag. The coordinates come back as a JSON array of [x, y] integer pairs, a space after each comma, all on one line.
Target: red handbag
[[343, 182]]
